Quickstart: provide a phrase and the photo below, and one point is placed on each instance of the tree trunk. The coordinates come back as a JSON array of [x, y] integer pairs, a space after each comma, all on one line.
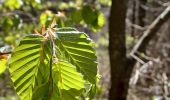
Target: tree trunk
[[117, 50]]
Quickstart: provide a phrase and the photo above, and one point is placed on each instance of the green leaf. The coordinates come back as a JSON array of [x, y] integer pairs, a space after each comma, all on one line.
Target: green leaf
[[101, 19], [76, 16], [41, 92], [28, 65], [74, 66], [70, 82], [13, 4], [35, 3], [93, 17], [2, 65], [7, 24], [92, 91], [88, 14], [43, 18], [77, 48]]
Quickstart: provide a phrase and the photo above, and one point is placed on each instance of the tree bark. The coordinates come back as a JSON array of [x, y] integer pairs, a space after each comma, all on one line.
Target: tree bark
[[117, 50]]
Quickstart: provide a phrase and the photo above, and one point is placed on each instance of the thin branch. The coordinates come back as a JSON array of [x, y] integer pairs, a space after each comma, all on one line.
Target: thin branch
[[135, 25], [4, 53], [148, 58], [31, 17], [138, 59], [21, 13], [152, 9], [151, 31]]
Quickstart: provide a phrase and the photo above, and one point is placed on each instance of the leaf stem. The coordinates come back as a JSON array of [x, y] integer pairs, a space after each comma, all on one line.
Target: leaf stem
[[51, 77]]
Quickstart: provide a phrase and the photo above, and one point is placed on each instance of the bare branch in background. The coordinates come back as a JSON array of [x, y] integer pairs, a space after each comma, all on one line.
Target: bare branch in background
[[151, 31], [135, 25], [151, 9], [4, 53], [29, 17]]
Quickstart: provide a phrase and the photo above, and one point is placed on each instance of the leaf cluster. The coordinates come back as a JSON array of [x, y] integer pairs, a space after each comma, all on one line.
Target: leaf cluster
[[59, 64]]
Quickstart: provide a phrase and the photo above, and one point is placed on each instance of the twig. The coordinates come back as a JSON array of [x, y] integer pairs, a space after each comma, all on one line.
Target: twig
[[151, 9], [151, 31], [135, 25], [21, 13], [148, 58], [138, 59], [4, 53]]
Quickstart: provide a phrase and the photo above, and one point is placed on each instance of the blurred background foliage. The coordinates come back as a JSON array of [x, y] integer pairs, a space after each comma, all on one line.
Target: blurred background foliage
[[20, 17]]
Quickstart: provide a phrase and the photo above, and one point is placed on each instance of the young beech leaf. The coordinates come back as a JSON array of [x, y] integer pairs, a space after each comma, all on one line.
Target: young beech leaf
[[74, 65]]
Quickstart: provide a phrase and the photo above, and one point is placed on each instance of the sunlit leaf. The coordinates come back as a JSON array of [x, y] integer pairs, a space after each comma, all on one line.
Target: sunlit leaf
[[13, 4], [70, 82], [27, 65], [77, 48], [101, 19], [73, 66], [2, 65]]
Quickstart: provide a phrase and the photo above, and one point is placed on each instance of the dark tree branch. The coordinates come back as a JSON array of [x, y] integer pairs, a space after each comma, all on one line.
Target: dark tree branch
[[27, 17], [141, 13], [151, 31], [4, 53]]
